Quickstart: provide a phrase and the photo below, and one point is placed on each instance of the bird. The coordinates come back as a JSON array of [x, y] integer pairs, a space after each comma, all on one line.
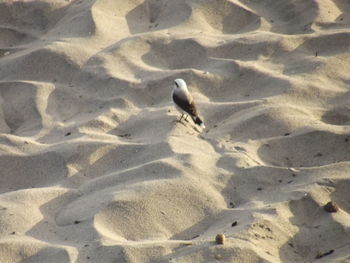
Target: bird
[[184, 102]]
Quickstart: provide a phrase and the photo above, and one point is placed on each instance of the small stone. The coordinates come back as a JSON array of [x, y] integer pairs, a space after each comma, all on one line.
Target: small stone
[[234, 224], [331, 207], [68, 133], [76, 222], [218, 257], [7, 53], [220, 239], [259, 188]]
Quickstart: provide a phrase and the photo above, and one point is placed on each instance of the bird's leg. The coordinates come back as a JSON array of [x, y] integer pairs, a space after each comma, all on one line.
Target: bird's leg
[[181, 117], [186, 118]]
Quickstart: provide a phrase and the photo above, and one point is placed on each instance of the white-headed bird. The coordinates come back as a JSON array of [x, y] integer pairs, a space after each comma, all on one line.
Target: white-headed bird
[[184, 103]]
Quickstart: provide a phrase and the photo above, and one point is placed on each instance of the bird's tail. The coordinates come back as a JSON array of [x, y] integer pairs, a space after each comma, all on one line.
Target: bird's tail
[[198, 121]]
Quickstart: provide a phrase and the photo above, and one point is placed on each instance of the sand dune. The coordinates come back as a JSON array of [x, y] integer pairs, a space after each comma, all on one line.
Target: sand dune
[[95, 167]]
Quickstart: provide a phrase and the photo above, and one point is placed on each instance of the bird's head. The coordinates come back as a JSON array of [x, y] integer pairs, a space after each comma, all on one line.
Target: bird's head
[[181, 84]]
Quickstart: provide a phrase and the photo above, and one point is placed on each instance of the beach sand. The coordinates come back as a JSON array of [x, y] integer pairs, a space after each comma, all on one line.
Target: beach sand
[[94, 166]]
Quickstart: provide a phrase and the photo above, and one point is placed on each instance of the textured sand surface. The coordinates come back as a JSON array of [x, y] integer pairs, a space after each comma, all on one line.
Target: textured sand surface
[[94, 166]]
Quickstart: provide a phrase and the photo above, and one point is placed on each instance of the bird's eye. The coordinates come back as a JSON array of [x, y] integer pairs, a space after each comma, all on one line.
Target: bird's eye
[[176, 84]]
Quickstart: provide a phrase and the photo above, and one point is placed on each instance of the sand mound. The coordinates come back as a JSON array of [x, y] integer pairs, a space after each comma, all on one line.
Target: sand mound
[[95, 167]]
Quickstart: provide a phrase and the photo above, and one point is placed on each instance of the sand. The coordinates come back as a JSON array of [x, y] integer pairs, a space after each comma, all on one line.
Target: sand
[[94, 166]]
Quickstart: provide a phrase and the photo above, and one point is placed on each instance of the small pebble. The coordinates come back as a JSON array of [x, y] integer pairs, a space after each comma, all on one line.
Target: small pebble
[[234, 224], [218, 257], [331, 207], [7, 53], [220, 239]]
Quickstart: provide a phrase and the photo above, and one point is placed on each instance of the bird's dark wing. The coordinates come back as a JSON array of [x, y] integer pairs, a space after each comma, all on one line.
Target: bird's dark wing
[[186, 103]]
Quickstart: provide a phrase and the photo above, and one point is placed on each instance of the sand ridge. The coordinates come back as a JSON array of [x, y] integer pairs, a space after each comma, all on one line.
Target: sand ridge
[[95, 168]]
